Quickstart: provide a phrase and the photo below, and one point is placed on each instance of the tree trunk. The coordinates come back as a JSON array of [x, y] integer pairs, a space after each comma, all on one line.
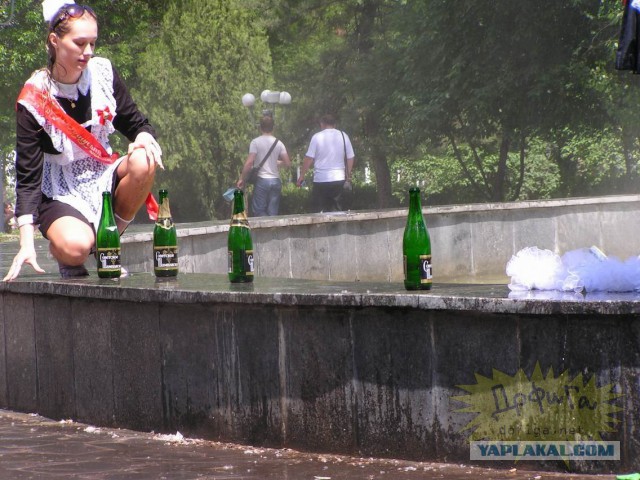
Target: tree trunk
[[566, 167], [629, 138], [383, 178], [2, 183], [379, 157], [365, 19], [521, 169], [501, 174]]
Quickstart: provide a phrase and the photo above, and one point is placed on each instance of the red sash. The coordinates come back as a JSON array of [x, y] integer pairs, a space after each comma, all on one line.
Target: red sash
[[45, 105]]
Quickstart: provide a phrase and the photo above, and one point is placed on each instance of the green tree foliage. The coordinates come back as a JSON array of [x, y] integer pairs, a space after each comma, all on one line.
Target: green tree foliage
[[193, 75], [474, 100], [17, 58], [620, 92], [333, 57], [21, 52], [474, 84], [485, 77]]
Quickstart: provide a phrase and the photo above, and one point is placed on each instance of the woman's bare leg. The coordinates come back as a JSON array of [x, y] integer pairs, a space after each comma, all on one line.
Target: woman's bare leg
[[71, 240], [136, 175]]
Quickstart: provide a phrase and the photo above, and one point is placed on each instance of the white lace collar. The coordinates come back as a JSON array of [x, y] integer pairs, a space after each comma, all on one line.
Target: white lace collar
[[70, 90]]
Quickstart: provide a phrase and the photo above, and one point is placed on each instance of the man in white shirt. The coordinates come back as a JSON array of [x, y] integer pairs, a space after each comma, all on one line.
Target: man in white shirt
[[268, 188], [331, 154]]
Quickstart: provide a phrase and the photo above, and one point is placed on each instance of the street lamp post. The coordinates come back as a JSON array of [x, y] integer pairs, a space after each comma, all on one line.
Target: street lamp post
[[270, 99]]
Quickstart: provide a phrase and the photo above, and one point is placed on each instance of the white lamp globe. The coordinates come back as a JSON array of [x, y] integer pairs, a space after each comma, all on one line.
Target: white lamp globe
[[285, 98], [248, 100], [264, 96], [273, 97]]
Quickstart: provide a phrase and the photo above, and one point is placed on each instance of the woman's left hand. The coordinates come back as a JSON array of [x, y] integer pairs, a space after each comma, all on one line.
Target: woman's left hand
[[154, 152]]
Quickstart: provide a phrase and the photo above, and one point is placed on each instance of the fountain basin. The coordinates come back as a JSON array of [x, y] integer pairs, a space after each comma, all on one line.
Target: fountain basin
[[347, 367]]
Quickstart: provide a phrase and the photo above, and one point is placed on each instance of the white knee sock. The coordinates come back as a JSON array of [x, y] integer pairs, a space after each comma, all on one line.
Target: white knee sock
[[122, 223]]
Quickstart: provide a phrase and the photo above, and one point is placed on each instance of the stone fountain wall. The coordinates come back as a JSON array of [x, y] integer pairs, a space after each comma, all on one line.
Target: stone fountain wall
[[469, 242]]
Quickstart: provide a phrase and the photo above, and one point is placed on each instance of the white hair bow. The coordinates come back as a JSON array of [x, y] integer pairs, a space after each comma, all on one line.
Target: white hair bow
[[51, 7]]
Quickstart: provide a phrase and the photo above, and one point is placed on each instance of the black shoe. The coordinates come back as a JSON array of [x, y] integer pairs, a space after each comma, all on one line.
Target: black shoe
[[69, 271]]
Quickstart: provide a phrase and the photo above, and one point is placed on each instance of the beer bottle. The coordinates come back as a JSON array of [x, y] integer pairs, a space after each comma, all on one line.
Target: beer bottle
[[416, 247], [165, 241], [240, 245], [108, 241]]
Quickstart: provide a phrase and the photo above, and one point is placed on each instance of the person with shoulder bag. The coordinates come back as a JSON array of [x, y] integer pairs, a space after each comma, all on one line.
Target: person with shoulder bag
[[331, 154], [264, 176]]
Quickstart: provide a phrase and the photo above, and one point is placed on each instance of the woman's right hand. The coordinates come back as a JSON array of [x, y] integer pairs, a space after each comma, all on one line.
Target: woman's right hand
[[26, 254]]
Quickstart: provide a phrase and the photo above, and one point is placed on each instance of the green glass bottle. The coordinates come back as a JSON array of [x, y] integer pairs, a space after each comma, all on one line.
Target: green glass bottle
[[416, 247], [108, 241], [165, 241], [240, 245]]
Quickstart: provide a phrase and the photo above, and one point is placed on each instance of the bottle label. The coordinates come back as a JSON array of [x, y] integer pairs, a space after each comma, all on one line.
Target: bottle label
[[108, 259], [246, 259], [238, 222], [165, 258], [166, 223], [425, 269], [248, 262]]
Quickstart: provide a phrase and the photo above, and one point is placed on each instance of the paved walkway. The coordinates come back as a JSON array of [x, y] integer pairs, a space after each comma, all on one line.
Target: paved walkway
[[33, 447]]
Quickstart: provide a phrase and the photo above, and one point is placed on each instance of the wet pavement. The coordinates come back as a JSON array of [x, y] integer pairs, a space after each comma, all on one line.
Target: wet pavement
[[34, 447]]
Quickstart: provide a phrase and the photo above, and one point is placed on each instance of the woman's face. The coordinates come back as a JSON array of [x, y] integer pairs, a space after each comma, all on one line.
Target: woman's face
[[74, 49]]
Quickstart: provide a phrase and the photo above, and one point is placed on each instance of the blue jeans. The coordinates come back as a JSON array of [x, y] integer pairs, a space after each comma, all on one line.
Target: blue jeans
[[266, 197]]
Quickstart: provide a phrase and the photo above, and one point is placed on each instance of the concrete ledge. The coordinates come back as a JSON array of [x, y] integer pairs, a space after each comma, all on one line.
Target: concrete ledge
[[469, 242], [206, 289], [356, 368]]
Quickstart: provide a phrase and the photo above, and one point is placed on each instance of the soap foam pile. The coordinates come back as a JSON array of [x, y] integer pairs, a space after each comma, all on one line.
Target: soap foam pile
[[585, 269]]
